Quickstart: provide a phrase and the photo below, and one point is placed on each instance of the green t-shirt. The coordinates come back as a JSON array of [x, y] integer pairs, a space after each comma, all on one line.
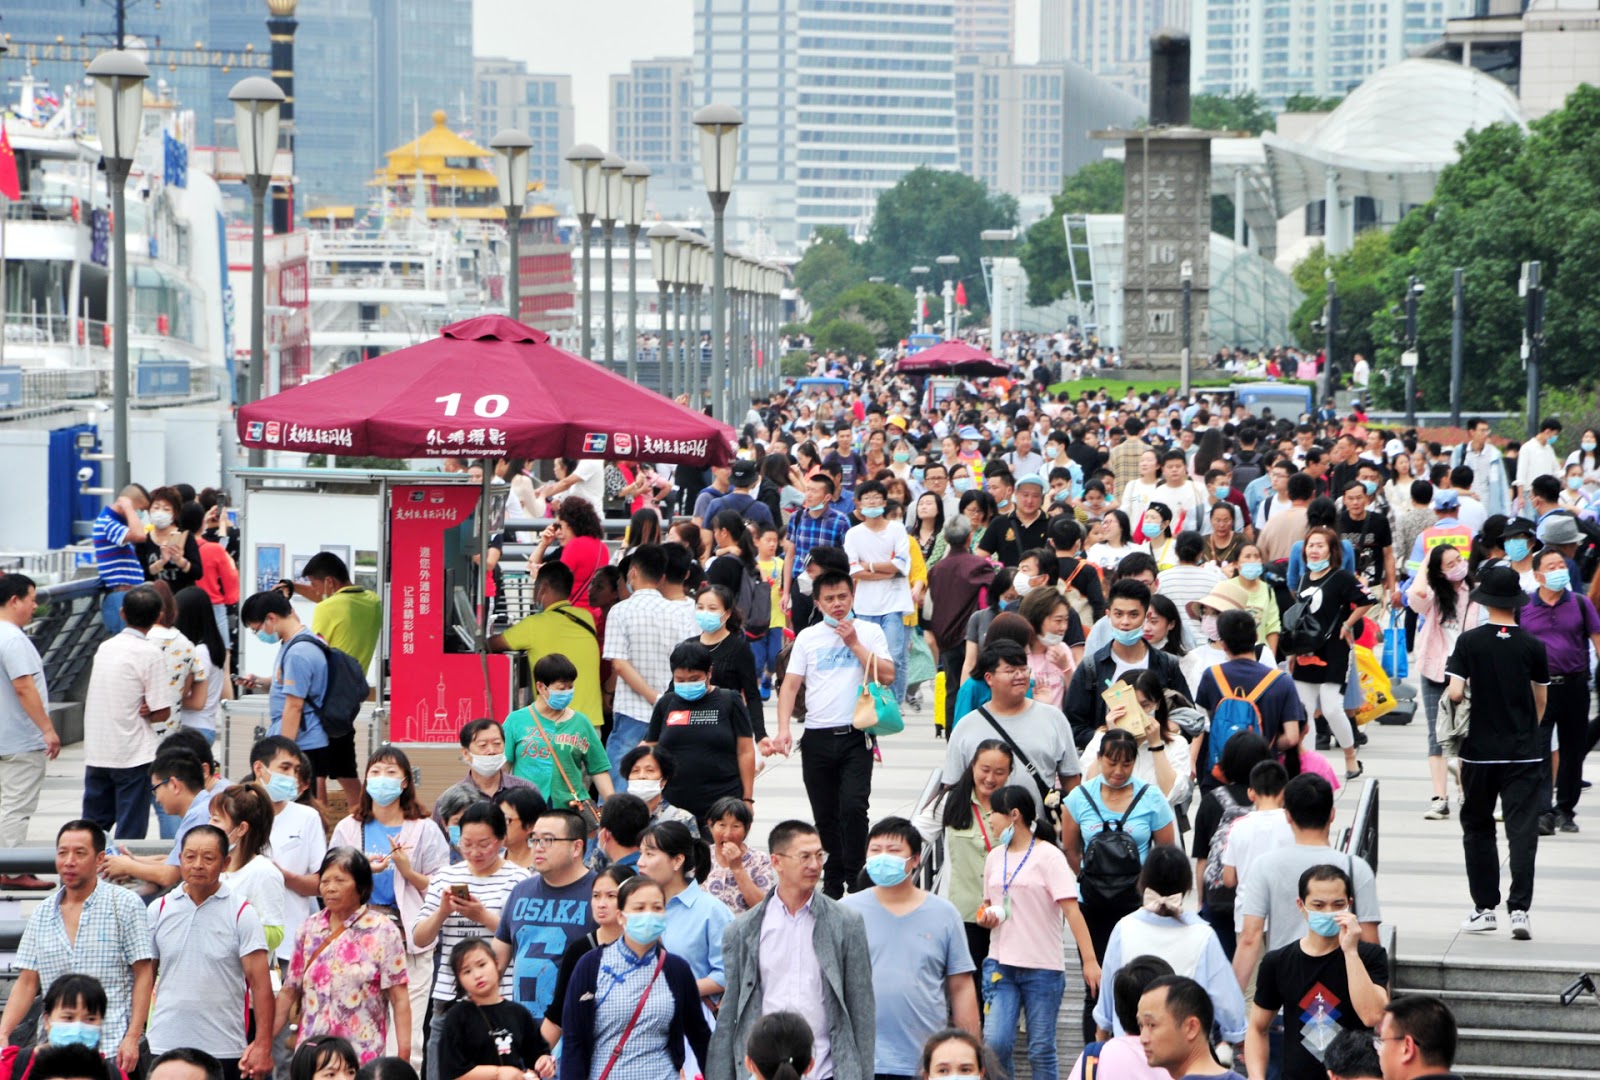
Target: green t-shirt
[[576, 741]]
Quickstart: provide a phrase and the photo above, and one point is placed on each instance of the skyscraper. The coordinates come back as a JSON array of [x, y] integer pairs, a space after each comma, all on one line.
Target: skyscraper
[[986, 26], [652, 120], [540, 106], [1109, 37], [1279, 48]]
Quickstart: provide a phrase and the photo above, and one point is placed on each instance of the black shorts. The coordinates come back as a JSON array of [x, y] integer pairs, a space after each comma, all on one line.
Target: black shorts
[[337, 760]]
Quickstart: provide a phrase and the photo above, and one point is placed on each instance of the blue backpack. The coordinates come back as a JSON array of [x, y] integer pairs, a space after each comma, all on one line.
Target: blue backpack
[[1236, 712]]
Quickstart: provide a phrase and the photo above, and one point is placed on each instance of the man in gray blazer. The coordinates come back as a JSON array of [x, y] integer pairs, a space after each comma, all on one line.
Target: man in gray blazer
[[798, 951]]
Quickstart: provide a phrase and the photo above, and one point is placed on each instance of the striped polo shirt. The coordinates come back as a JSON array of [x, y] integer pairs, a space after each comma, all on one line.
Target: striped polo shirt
[[114, 557]]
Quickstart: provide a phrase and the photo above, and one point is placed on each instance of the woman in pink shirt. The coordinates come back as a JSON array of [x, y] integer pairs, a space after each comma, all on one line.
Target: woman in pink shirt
[[1439, 597], [1029, 889], [581, 538], [1050, 654]]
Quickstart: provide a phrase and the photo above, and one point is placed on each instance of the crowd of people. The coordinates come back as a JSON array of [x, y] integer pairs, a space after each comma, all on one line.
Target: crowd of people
[[1139, 625]]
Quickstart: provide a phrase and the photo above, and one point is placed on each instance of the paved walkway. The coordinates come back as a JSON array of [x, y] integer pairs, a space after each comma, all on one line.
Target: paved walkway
[[1421, 880]]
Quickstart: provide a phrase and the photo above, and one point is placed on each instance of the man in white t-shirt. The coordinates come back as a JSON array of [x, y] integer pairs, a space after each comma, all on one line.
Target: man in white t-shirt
[[880, 558], [1265, 828], [830, 660], [1178, 492], [298, 839], [586, 478]]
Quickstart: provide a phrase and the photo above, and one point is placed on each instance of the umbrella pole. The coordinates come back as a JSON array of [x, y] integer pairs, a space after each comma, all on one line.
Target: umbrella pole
[[486, 615]]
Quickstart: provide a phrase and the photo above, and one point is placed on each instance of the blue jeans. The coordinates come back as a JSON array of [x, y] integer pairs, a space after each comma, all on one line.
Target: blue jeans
[[1011, 992], [898, 635], [766, 649], [111, 610], [626, 733], [118, 797]]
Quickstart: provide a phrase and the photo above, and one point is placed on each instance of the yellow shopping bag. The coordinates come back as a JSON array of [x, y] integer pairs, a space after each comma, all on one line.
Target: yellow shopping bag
[[938, 704], [1377, 693]]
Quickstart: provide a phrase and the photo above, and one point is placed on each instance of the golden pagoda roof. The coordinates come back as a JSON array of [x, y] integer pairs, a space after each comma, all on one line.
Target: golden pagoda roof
[[427, 154]]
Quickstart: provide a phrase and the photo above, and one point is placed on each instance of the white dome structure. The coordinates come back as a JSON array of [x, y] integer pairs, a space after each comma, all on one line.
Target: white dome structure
[[1388, 140]]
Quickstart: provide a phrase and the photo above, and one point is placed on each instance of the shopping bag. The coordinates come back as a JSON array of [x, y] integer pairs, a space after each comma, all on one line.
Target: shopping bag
[[1377, 692], [1395, 663], [920, 667], [1354, 698], [939, 692]]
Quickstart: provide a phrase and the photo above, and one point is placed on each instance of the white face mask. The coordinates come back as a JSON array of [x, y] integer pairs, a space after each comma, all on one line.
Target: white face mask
[[160, 519], [645, 789], [487, 764]]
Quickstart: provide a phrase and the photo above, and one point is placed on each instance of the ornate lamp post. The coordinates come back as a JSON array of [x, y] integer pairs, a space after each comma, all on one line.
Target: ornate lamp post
[[584, 161], [719, 157], [511, 170]]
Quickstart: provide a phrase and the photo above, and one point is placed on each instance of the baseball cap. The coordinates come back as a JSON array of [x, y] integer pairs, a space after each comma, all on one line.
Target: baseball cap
[[1031, 478], [1446, 500], [969, 434]]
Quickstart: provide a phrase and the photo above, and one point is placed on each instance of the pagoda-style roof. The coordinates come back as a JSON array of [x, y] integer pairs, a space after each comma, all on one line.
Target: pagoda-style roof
[[440, 156]]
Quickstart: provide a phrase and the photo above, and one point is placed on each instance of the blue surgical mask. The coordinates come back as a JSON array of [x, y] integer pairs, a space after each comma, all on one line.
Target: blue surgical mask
[[829, 620], [266, 637], [1371, 486], [1250, 570], [1574, 482], [1005, 835], [384, 790], [1316, 566], [1151, 530], [1517, 548], [919, 474], [560, 699], [71, 1033], [646, 927], [708, 621], [962, 483], [281, 788], [886, 870], [1221, 491], [455, 835], [872, 511], [1557, 580], [689, 691], [1323, 924], [1009, 605], [1128, 637], [1063, 495]]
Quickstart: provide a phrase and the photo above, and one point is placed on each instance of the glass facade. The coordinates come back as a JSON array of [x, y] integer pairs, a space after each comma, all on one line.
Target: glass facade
[[509, 96], [652, 120]]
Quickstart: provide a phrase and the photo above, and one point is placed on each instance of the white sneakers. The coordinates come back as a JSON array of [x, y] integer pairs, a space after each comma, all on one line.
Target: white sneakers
[[1483, 919], [1438, 810]]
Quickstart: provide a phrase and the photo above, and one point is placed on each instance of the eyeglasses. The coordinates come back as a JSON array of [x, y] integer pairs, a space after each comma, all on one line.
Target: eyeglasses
[[546, 841], [157, 786], [804, 858]]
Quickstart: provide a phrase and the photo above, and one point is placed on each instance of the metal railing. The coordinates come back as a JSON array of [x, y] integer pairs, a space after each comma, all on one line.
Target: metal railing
[[67, 629], [40, 328], [1361, 838], [44, 208]]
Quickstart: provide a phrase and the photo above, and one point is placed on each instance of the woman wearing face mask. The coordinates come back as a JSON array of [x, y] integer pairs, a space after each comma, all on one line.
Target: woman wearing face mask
[[1574, 496], [1028, 894], [649, 770], [244, 812], [1226, 595], [678, 862], [733, 663], [403, 847], [73, 1013], [1338, 602], [607, 916], [553, 746], [1259, 599], [1057, 636], [633, 999], [1440, 597], [1115, 542], [169, 553], [1115, 795], [1156, 529], [1587, 456], [1002, 597], [708, 730]]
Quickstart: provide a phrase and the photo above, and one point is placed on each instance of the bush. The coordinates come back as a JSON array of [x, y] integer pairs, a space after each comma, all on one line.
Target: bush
[[795, 365], [850, 338]]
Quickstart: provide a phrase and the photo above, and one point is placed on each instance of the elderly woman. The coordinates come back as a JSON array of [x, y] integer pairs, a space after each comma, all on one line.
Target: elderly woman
[[740, 875], [348, 976], [649, 770]]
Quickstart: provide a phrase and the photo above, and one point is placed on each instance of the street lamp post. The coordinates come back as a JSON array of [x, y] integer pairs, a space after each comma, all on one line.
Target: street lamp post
[[1186, 272], [704, 272], [635, 187], [719, 156], [1414, 289], [1458, 304], [119, 109], [1330, 329], [511, 171], [662, 237], [257, 102], [611, 167], [921, 321], [1532, 291], [948, 263], [584, 161]]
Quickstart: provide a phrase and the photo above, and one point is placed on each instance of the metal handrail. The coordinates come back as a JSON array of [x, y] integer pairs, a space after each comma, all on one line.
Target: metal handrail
[[1361, 838], [67, 630]]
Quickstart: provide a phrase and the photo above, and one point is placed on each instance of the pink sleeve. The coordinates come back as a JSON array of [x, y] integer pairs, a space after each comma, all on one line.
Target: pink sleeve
[[1063, 885], [392, 963]]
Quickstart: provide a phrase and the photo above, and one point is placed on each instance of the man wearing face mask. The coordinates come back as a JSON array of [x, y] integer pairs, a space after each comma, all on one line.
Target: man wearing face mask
[[299, 680], [880, 560], [483, 750], [815, 524], [1127, 607], [921, 966], [1330, 979]]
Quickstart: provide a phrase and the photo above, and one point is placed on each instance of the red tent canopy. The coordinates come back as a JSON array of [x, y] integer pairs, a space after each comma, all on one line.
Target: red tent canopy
[[953, 358], [488, 387]]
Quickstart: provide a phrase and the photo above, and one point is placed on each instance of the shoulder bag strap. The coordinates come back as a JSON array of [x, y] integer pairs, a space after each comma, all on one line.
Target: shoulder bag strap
[[1027, 763], [1126, 814], [329, 940], [616, 1051], [577, 792], [567, 613]]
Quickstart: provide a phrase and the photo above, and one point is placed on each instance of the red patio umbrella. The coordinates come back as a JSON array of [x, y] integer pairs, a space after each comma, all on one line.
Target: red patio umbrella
[[953, 358], [486, 387]]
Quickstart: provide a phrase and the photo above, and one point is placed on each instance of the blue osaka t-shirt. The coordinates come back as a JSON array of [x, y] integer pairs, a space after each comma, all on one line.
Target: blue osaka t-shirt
[[539, 922]]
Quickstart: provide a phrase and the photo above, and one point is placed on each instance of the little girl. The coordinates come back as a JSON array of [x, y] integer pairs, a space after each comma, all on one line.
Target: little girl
[[487, 1037], [74, 1011]]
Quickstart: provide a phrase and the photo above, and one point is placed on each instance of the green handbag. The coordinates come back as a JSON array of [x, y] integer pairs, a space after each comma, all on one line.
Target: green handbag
[[877, 712]]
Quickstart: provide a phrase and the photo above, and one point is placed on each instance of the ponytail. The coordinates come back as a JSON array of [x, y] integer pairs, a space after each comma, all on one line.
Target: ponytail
[[780, 1046]]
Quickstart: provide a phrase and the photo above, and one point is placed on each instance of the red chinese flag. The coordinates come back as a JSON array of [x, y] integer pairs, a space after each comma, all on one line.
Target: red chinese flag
[[9, 187], [961, 294]]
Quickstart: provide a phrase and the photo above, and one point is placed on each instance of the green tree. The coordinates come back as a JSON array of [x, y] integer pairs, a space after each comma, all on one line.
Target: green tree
[[1311, 103], [1094, 189], [882, 308], [832, 264], [929, 213], [1512, 197], [1244, 111], [844, 336], [1361, 276]]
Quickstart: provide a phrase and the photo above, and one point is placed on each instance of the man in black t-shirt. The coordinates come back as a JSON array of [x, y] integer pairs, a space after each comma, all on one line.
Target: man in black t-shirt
[[1330, 980], [1502, 756], [1369, 534]]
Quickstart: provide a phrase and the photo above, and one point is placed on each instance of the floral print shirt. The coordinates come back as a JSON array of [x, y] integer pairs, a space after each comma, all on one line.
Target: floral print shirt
[[721, 883], [179, 653], [343, 991]]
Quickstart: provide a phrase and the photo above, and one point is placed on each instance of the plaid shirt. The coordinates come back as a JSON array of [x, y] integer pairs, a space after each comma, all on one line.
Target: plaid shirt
[[113, 935], [643, 630], [807, 532]]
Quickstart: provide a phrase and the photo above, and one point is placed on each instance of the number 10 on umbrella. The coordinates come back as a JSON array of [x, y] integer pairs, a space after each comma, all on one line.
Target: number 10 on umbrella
[[490, 406]]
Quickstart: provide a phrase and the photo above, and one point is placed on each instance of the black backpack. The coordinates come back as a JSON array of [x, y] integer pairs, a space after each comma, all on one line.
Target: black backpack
[[346, 690], [1303, 632], [1246, 469], [1111, 858], [754, 603]]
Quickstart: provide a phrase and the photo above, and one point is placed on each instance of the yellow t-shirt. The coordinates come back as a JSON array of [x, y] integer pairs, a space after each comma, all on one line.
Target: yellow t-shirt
[[568, 630], [350, 620], [771, 569]]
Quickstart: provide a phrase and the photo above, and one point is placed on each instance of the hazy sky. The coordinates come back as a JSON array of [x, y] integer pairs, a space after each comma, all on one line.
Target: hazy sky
[[593, 39]]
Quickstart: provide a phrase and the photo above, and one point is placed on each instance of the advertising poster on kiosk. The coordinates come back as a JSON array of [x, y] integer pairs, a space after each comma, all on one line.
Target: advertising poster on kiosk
[[436, 681]]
